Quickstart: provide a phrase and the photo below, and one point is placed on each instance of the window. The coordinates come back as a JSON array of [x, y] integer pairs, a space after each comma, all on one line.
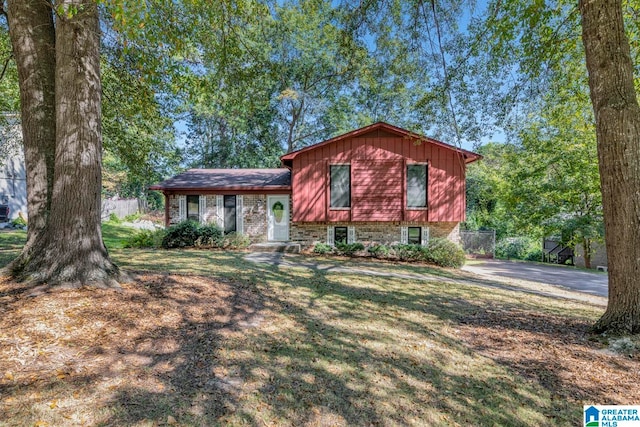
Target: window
[[230, 219], [340, 235], [193, 208], [414, 236], [417, 186], [340, 186]]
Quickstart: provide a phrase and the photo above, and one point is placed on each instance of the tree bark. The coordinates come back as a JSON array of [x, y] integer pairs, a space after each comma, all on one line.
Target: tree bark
[[617, 116], [70, 251], [33, 38]]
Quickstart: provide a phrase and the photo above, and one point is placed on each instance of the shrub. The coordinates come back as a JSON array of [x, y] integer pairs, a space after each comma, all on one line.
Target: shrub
[[19, 221], [379, 251], [534, 255], [444, 253], [348, 249], [209, 235], [518, 248], [408, 252], [181, 235], [322, 249], [145, 239]]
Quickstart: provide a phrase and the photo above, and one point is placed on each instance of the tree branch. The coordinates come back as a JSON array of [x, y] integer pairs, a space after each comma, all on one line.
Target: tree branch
[[5, 66]]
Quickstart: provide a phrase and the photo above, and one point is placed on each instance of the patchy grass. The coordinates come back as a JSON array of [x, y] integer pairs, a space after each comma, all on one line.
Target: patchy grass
[[207, 338], [114, 234], [11, 242]]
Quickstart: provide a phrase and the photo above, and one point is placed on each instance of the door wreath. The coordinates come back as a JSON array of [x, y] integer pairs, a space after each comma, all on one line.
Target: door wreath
[[278, 211]]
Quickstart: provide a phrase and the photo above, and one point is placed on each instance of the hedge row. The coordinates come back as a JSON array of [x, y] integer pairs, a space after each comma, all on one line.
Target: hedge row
[[439, 251], [187, 234]]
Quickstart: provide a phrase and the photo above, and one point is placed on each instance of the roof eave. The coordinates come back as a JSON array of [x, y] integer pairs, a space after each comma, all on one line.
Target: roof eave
[[213, 189]]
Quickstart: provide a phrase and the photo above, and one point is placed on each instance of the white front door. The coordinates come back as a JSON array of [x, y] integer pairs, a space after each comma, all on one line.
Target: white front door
[[278, 218]]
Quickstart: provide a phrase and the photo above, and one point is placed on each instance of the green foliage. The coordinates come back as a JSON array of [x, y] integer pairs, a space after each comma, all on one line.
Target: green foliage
[[405, 252], [182, 235], [322, 249], [209, 235], [145, 239], [444, 253], [348, 249], [379, 251], [519, 248], [440, 252], [19, 221], [191, 234], [132, 217], [114, 219]]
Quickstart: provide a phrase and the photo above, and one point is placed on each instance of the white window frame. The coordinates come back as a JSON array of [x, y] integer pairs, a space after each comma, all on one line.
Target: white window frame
[[404, 235], [239, 209], [351, 235], [220, 211], [425, 236], [202, 201], [182, 207], [330, 231]]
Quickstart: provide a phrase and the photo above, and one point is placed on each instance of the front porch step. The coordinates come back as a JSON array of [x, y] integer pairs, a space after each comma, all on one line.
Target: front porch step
[[288, 247]]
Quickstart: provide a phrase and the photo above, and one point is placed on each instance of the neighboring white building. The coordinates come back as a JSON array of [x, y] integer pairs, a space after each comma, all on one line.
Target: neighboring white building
[[13, 179]]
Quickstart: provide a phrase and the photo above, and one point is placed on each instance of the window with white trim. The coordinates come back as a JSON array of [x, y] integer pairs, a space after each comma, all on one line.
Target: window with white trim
[[340, 234], [417, 185], [193, 208], [340, 186], [414, 235]]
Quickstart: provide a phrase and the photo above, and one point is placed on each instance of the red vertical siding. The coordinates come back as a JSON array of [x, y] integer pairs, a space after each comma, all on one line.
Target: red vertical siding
[[377, 180], [376, 190]]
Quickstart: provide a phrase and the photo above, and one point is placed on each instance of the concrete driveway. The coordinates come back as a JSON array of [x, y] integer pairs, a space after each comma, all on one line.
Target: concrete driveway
[[567, 277]]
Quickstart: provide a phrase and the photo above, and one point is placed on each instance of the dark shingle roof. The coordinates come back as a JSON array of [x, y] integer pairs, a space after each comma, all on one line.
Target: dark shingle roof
[[228, 179]]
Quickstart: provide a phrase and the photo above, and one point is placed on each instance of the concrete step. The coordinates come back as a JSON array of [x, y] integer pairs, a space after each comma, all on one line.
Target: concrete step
[[292, 248]]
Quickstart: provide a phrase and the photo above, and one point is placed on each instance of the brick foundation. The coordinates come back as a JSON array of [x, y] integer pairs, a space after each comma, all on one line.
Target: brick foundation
[[309, 234]]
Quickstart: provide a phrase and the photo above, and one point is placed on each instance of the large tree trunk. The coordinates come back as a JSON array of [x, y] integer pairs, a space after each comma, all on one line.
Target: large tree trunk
[[618, 131], [71, 251], [33, 39]]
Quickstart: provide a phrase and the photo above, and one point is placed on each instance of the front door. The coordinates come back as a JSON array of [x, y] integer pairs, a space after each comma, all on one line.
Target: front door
[[278, 218], [229, 214]]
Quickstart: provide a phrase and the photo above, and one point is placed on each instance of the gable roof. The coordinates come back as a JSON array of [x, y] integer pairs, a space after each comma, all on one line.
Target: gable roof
[[469, 156], [228, 180]]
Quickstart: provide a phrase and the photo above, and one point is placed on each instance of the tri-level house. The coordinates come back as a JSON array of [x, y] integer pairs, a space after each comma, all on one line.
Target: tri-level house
[[379, 184]]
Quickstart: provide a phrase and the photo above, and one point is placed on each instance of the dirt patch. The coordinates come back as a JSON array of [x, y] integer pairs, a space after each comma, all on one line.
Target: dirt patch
[[62, 354], [555, 352]]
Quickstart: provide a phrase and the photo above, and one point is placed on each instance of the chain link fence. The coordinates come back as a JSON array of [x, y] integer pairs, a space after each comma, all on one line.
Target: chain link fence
[[479, 244]]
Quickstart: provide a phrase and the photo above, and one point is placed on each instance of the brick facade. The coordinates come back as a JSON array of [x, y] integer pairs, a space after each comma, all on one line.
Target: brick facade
[[254, 214], [372, 232]]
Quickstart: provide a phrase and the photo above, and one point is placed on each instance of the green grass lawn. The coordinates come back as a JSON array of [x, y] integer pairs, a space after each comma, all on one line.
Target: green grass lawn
[[205, 337]]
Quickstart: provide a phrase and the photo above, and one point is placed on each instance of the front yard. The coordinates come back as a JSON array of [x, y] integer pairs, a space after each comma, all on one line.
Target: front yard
[[207, 338]]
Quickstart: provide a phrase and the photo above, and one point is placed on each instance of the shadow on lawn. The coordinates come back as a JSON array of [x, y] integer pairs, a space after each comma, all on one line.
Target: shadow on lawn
[[325, 366], [264, 345]]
